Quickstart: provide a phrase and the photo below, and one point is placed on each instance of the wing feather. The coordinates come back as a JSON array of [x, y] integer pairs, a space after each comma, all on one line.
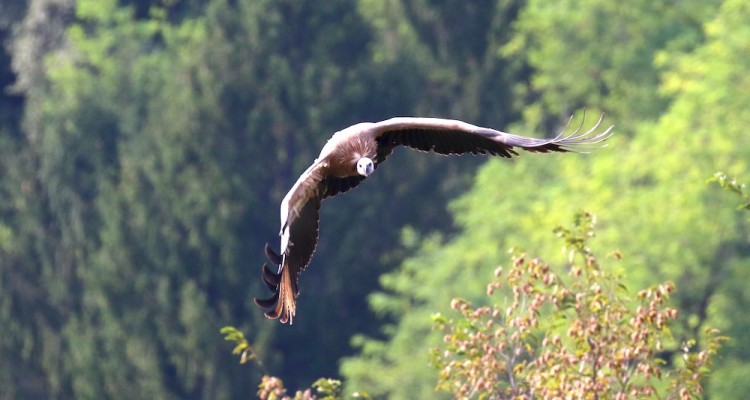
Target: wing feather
[[334, 185], [299, 238], [451, 137]]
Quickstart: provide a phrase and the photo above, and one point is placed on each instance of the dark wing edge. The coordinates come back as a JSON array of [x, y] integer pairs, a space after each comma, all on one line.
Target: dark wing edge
[[303, 238], [299, 237], [445, 141], [334, 186], [449, 137]]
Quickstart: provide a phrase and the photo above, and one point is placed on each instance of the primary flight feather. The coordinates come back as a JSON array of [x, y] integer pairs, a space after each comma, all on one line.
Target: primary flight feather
[[352, 154]]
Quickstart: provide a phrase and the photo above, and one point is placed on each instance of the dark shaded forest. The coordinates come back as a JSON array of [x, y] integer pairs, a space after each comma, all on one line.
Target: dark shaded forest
[[145, 146]]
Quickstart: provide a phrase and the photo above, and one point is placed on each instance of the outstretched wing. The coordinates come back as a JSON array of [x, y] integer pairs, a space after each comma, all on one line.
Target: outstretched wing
[[447, 136], [299, 237]]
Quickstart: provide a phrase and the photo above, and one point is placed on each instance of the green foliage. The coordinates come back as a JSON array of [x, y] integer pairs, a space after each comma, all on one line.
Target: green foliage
[[661, 215], [146, 181], [582, 58], [732, 185], [582, 333], [272, 388], [242, 348], [145, 145]]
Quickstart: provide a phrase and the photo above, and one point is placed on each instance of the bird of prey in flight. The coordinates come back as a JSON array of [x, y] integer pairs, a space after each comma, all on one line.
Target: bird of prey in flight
[[352, 154]]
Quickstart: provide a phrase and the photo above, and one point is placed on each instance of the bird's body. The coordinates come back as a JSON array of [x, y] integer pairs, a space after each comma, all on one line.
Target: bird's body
[[353, 154], [346, 147]]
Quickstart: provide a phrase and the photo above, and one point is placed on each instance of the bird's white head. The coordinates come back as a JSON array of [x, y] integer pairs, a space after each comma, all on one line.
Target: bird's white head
[[365, 166]]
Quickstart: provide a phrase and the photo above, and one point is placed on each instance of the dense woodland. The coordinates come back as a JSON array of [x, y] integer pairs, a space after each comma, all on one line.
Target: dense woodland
[[145, 146]]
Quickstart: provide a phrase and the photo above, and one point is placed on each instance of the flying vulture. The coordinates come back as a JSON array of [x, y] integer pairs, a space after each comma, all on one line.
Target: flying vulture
[[352, 154]]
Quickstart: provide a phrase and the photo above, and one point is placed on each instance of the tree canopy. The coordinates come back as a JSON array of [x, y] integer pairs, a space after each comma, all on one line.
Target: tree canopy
[[145, 146]]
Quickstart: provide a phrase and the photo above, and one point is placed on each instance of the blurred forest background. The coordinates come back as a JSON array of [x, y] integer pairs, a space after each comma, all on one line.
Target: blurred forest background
[[145, 146]]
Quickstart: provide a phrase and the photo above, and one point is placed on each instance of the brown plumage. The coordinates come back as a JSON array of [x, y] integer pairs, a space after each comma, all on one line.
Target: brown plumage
[[352, 154]]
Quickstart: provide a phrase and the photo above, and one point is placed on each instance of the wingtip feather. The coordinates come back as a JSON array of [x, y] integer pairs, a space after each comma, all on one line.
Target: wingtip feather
[[270, 278], [267, 303], [272, 255], [582, 141]]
